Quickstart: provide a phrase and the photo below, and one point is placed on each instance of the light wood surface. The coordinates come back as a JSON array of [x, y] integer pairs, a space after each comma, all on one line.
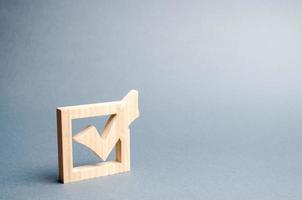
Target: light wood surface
[[116, 134]]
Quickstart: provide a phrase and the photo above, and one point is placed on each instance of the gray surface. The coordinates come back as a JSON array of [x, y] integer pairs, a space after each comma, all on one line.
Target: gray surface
[[220, 95]]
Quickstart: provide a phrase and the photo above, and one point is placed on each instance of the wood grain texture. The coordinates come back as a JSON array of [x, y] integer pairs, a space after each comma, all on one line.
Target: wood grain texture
[[116, 133]]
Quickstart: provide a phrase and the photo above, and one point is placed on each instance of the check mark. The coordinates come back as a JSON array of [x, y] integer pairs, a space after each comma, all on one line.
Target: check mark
[[103, 144]]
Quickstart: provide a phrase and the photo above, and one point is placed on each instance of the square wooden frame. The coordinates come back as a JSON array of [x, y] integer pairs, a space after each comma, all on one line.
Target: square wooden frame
[[65, 115]]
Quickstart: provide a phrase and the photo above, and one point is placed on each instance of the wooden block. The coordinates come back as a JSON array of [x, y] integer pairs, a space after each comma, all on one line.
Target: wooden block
[[116, 134]]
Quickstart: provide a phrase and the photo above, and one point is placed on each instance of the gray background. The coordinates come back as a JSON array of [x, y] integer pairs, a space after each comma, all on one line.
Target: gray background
[[220, 95]]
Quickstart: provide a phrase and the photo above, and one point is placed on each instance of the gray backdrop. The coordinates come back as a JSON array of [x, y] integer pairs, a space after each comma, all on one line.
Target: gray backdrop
[[220, 95]]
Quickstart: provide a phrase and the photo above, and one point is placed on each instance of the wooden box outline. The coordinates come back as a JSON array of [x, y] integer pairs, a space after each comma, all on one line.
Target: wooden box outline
[[65, 115]]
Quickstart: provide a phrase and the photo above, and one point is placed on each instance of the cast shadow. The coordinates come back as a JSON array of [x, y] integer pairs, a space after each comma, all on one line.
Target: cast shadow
[[45, 176]]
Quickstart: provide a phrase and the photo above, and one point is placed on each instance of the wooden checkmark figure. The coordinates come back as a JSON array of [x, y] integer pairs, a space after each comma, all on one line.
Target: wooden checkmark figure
[[116, 134]]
